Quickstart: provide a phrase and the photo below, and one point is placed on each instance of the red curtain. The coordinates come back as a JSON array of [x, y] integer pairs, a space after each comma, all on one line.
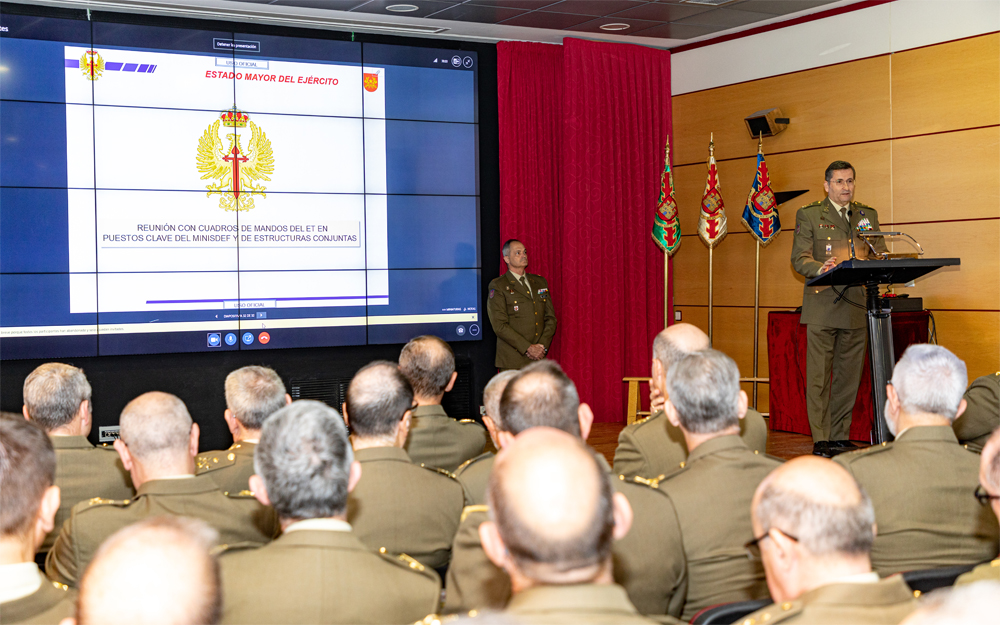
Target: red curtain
[[582, 128]]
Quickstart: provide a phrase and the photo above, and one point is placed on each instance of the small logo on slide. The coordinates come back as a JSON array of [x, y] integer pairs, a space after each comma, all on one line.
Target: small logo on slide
[[371, 82], [238, 173], [92, 65]]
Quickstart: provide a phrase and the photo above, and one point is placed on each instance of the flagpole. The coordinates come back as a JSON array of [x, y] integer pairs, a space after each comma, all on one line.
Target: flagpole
[[710, 250], [756, 322], [666, 289]]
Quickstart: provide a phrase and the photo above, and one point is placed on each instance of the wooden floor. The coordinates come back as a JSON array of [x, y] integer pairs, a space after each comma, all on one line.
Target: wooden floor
[[784, 445]]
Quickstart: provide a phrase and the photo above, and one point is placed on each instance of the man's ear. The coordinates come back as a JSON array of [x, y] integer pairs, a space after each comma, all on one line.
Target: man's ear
[[783, 549], [744, 404], [259, 490], [504, 438], [403, 429], [46, 518], [658, 372], [962, 405], [451, 381], [24, 411], [193, 440], [622, 512], [85, 415], [672, 416], [491, 427], [354, 476], [826, 187], [124, 453], [891, 403], [343, 411], [231, 421], [586, 417], [493, 545], [288, 399]]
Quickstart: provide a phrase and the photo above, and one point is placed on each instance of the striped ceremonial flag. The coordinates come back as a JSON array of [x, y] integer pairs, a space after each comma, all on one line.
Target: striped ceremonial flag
[[712, 219], [760, 215]]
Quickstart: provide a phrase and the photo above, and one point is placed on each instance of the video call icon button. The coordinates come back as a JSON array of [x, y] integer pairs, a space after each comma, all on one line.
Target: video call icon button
[[456, 61], [214, 339], [264, 338], [248, 338], [230, 338]]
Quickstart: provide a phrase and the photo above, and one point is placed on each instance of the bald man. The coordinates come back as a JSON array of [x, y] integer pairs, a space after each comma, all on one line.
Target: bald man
[[156, 571], [435, 439], [396, 506], [158, 445], [814, 528], [648, 562], [988, 491], [654, 447], [553, 537], [474, 473]]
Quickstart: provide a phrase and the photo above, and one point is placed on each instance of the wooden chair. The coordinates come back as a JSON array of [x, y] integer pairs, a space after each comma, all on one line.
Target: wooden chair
[[632, 410]]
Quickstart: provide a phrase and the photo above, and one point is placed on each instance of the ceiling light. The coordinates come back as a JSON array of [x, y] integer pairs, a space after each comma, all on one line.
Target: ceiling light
[[711, 3], [615, 26], [402, 8]]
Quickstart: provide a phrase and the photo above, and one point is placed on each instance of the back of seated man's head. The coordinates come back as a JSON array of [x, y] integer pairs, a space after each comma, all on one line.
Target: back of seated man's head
[[53, 393], [677, 341], [378, 398], [27, 475], [428, 363], [704, 389], [816, 511], [158, 570], [304, 458], [928, 379], [552, 506], [541, 394], [156, 427], [254, 393]]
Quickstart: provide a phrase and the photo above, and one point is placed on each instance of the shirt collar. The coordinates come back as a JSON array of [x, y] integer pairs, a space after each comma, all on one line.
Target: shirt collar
[[328, 525], [838, 207], [858, 578], [19, 580]]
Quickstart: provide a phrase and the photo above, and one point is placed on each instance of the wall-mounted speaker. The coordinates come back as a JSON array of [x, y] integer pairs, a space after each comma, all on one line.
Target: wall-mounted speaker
[[768, 123]]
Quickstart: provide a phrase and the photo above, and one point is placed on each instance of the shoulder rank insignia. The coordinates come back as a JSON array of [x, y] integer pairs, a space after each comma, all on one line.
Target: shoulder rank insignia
[[467, 510], [438, 470], [101, 501], [402, 557], [227, 548], [243, 494], [652, 483], [816, 203]]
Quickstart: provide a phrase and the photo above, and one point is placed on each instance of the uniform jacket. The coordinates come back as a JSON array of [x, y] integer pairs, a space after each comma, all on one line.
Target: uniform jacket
[[473, 475], [982, 415], [921, 487], [230, 469], [654, 447], [237, 517], [595, 604], [886, 602], [988, 571], [436, 440], [816, 226], [48, 605], [83, 472], [323, 576], [405, 508], [648, 561], [520, 319], [711, 493]]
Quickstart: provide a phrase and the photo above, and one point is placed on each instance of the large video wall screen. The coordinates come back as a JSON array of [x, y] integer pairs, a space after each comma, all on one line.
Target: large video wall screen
[[175, 190]]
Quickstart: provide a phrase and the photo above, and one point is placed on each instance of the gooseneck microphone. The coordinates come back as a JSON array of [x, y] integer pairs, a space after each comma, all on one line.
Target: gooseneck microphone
[[851, 232]]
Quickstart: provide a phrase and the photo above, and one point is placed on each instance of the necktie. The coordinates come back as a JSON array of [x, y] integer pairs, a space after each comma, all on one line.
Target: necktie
[[524, 282]]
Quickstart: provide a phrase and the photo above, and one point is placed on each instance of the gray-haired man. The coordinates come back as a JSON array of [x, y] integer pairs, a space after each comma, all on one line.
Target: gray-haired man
[[920, 484]]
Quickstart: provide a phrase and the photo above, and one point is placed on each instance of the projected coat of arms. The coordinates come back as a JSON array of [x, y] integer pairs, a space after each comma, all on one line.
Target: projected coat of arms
[[237, 173]]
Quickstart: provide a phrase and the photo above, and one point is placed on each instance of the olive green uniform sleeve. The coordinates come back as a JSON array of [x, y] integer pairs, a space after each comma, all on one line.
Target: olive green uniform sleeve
[[802, 246], [550, 322]]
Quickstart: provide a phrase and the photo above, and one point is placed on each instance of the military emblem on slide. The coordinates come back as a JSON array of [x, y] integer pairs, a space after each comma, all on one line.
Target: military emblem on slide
[[92, 65], [370, 82], [237, 172]]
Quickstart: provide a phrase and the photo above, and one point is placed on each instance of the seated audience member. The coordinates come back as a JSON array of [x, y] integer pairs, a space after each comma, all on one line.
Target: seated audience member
[[317, 571], [57, 399], [982, 412], [474, 473], [648, 562], [158, 445], [157, 571], [713, 489], [974, 604], [28, 505], [920, 483], [435, 439], [553, 536], [814, 528], [396, 506], [252, 394], [654, 447], [988, 493]]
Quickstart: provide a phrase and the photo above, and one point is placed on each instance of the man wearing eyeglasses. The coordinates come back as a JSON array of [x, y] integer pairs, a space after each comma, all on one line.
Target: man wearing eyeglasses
[[988, 494], [921, 483], [814, 528], [398, 506]]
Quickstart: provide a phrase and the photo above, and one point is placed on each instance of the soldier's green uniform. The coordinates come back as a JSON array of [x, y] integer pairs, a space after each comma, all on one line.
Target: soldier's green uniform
[[648, 561], [403, 507], [437, 440], [654, 447], [885, 602], [982, 413], [593, 604], [519, 318], [921, 487], [711, 492], [230, 468], [83, 472], [47, 605], [317, 575], [837, 333], [238, 517], [988, 571], [473, 475]]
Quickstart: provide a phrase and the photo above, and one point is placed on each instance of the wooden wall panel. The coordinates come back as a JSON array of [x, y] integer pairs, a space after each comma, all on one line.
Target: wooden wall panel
[[972, 336], [848, 102], [946, 87], [946, 176]]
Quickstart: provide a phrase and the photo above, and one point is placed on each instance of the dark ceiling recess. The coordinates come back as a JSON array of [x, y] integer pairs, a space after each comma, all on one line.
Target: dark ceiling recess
[[670, 19]]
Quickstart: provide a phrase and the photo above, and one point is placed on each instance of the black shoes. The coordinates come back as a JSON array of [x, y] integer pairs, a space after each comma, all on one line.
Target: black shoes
[[829, 449]]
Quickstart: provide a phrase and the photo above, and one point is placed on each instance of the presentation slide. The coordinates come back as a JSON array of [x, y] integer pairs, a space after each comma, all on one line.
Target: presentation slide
[[176, 190]]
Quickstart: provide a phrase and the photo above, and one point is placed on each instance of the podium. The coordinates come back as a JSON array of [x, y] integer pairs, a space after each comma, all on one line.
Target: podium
[[871, 274]]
